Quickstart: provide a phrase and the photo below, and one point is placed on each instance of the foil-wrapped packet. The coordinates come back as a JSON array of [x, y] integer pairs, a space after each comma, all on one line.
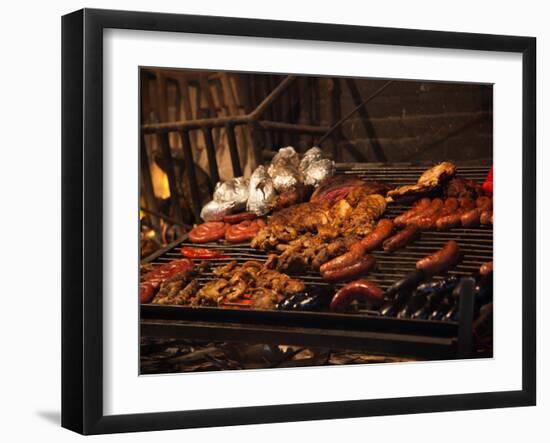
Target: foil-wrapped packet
[[216, 211], [229, 197], [310, 156], [286, 156], [284, 169], [261, 192], [234, 190], [318, 171]]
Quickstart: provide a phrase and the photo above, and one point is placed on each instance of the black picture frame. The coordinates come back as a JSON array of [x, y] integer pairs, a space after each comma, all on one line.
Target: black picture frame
[[82, 215]]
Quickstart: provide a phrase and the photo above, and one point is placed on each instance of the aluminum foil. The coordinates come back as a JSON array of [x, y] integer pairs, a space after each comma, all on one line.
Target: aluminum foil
[[215, 211], [234, 190], [310, 156], [284, 169], [318, 171], [261, 192], [287, 156]]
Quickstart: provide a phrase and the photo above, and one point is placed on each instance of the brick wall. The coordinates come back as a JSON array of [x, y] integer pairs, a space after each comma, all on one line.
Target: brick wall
[[420, 121]]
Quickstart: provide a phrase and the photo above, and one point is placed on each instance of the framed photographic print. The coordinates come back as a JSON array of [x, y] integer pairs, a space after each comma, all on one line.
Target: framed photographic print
[[260, 218]]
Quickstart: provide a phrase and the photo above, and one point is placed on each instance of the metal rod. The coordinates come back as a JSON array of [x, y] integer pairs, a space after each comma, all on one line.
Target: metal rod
[[292, 127], [190, 168], [273, 95], [465, 293], [353, 111], [233, 151], [211, 154], [171, 173]]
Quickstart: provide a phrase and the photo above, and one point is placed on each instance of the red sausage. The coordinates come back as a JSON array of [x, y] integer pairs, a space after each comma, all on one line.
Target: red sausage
[[470, 219], [401, 239], [448, 221], [241, 216], [486, 217], [356, 290], [208, 232], [484, 202], [152, 280], [356, 251], [466, 204], [435, 206], [441, 260], [430, 222], [418, 207], [146, 292], [361, 267], [244, 231], [376, 237]]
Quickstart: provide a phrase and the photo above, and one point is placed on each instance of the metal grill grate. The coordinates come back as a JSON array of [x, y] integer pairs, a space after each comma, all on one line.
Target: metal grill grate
[[476, 244]]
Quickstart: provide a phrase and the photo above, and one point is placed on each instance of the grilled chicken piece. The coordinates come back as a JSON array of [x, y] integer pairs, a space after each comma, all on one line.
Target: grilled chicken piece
[[253, 278], [355, 214], [429, 181]]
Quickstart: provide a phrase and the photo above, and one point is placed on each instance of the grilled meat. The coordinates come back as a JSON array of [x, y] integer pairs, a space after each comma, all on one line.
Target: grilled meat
[[252, 281], [335, 188], [430, 181], [459, 187], [354, 215]]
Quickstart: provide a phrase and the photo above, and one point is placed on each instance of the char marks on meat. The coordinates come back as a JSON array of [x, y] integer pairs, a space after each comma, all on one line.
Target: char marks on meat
[[252, 282], [429, 182]]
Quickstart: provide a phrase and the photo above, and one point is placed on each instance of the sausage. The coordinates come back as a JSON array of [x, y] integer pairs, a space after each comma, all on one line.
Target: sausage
[[237, 218], [356, 251], [198, 253], [466, 204], [152, 280], [360, 267], [146, 292], [470, 219], [448, 221], [486, 217], [208, 232], [441, 260], [429, 222], [371, 241], [486, 268], [435, 206], [419, 206], [484, 202], [244, 231], [401, 239], [376, 237], [356, 290], [452, 219]]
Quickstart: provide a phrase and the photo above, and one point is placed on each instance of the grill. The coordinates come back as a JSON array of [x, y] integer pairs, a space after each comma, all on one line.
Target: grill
[[364, 329]]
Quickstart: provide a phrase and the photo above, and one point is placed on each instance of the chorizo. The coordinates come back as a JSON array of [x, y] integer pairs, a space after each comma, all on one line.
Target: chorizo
[[244, 231], [418, 207], [356, 251], [360, 267], [376, 237], [486, 217], [435, 206], [401, 239], [208, 232], [441, 260], [237, 218], [471, 219], [356, 290]]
